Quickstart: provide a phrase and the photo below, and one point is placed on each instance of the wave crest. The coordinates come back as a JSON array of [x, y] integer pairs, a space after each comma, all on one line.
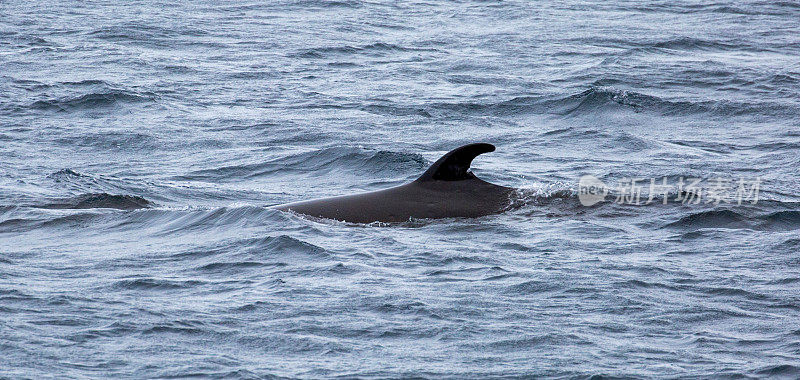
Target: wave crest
[[100, 200]]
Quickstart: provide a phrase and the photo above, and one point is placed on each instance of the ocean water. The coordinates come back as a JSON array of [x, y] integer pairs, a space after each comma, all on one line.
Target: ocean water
[[142, 143]]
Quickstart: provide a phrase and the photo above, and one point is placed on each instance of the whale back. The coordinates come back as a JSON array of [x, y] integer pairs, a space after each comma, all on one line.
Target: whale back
[[446, 189]]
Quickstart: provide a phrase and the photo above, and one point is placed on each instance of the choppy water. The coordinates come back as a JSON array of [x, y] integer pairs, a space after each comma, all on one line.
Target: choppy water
[[142, 143]]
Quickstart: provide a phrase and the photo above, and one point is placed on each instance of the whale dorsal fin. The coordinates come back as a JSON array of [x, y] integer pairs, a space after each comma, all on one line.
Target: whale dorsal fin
[[454, 166]]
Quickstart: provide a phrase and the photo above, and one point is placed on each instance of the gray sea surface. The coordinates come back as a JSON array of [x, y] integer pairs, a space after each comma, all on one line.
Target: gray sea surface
[[142, 143]]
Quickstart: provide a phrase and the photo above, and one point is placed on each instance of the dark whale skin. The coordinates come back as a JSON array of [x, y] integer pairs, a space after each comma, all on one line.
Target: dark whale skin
[[433, 199], [446, 190]]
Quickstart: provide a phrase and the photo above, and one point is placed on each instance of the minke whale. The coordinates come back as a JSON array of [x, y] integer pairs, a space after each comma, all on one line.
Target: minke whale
[[447, 189]]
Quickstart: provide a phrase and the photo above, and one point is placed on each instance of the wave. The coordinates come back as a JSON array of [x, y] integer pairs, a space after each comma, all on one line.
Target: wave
[[683, 43], [237, 10], [112, 140], [281, 246], [595, 100], [712, 219], [349, 159], [600, 99], [86, 94], [693, 43], [85, 82], [533, 286], [784, 371], [24, 224], [78, 184], [374, 49], [100, 200], [149, 283], [784, 220], [92, 100], [780, 220], [767, 8], [324, 4], [382, 109], [155, 35]]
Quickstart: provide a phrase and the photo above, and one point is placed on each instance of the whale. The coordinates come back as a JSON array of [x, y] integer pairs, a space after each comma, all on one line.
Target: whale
[[448, 189]]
